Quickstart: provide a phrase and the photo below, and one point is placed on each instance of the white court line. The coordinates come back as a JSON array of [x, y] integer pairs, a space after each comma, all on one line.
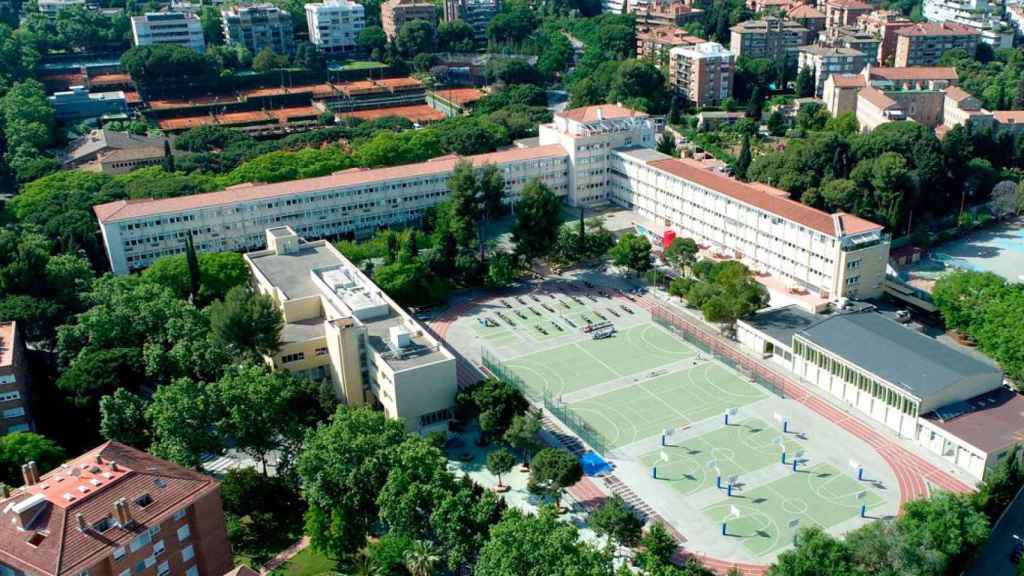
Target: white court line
[[598, 360]]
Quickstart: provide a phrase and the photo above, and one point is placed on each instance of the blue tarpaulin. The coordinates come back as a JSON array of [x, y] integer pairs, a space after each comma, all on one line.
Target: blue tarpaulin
[[594, 465]]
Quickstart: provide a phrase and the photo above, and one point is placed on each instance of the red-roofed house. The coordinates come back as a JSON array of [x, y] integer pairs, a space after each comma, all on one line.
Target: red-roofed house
[[114, 510]]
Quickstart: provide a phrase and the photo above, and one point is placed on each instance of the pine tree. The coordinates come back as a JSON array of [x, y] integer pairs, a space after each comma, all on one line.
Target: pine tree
[[667, 143], [743, 162], [581, 237], [168, 157], [756, 104], [805, 83], [193, 268], [673, 110]]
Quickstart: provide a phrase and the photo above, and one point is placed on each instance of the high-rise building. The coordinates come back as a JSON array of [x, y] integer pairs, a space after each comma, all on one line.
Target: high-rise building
[[772, 38], [977, 14], [114, 510], [655, 42], [923, 44], [168, 28], [334, 25], [15, 386], [825, 61], [477, 13], [395, 13], [258, 27], [703, 74], [844, 12]]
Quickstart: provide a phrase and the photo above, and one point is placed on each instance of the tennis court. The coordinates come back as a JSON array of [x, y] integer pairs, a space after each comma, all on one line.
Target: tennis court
[[572, 367], [819, 496], [735, 450]]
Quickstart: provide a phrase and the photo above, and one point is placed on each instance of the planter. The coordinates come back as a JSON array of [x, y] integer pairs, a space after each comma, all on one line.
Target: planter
[[501, 488]]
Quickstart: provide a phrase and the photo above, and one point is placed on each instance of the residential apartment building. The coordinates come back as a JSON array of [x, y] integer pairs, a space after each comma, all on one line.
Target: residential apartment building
[[809, 17], [880, 95], [114, 510], [853, 37], [703, 73], [334, 25], [655, 42], [825, 61], [395, 13], [340, 327], [923, 44], [671, 13], [587, 156], [15, 384], [176, 28], [772, 38], [829, 256], [977, 14], [884, 24], [477, 13], [258, 27], [844, 12]]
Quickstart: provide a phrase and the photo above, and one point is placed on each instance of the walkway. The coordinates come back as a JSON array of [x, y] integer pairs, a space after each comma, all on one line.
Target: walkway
[[916, 475]]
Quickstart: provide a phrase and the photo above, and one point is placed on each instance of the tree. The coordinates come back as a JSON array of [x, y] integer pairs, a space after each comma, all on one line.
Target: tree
[[218, 272], [123, 419], [667, 144], [805, 82], [461, 521], [491, 183], [266, 60], [372, 41], [815, 550], [632, 251], [194, 277], [755, 105], [522, 434], [538, 217], [658, 547], [18, 448], [502, 270], [182, 416], [246, 321], [343, 466], [456, 36], [777, 123], [496, 403], [616, 520], [415, 37], [1007, 199], [743, 161], [642, 85], [552, 470], [535, 545], [500, 462], [682, 252], [421, 559]]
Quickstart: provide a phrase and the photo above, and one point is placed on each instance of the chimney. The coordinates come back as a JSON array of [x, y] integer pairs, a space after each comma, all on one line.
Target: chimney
[[34, 470], [99, 459], [121, 513], [600, 113], [26, 475], [5, 491], [80, 519], [113, 466]]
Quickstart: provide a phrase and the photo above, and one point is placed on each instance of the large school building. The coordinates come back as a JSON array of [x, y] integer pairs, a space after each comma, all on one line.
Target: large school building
[[587, 156]]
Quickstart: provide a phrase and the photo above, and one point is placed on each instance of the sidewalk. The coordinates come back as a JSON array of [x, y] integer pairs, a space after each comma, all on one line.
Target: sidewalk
[[285, 555]]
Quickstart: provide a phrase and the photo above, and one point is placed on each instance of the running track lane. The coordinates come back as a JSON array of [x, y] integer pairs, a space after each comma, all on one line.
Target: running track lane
[[913, 473]]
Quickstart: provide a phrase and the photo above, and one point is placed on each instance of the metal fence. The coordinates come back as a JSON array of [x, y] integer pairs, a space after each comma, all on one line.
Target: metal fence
[[559, 409], [712, 344]]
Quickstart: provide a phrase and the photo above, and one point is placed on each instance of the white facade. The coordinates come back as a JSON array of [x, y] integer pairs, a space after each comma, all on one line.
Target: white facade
[[177, 28], [50, 8], [613, 6], [334, 25], [974, 13]]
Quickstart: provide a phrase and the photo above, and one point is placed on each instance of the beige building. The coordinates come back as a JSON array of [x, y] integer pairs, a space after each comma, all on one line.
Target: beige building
[[655, 42], [844, 12], [826, 61], [395, 13], [772, 38], [924, 44], [15, 387], [809, 17], [703, 73], [340, 327]]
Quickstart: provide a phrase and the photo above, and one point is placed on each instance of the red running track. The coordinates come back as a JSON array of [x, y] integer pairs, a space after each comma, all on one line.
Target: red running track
[[913, 473]]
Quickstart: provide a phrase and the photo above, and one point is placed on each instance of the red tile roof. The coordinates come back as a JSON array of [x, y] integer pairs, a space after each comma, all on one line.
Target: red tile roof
[[995, 422], [877, 98], [855, 224], [790, 209], [914, 73], [6, 343], [460, 96], [295, 113], [848, 80], [806, 12], [421, 113], [605, 111], [937, 29], [850, 4], [1009, 116], [59, 547], [957, 94], [127, 209]]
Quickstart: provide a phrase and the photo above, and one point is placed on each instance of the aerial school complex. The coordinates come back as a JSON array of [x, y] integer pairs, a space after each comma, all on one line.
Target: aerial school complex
[[738, 443]]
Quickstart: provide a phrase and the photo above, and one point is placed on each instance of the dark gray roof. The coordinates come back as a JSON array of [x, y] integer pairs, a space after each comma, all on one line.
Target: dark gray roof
[[102, 140], [781, 323], [917, 363]]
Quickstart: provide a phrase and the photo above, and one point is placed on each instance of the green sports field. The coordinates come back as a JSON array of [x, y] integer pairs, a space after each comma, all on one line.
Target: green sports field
[[819, 496]]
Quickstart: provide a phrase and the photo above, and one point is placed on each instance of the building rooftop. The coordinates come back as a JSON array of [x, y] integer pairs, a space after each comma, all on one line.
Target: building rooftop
[[419, 352], [850, 4], [38, 523], [917, 363], [763, 24], [599, 112], [937, 29], [1008, 116], [7, 332], [819, 50], [805, 11], [992, 422], [877, 98], [702, 50], [421, 113], [912, 73], [127, 209], [290, 272], [782, 323]]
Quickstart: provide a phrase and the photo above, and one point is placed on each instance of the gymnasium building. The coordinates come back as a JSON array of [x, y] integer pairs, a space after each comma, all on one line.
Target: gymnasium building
[[914, 385]]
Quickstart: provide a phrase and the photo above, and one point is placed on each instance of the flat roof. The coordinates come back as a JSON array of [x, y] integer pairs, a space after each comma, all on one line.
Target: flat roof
[[991, 422], [901, 356], [290, 272], [782, 323], [302, 330], [419, 353]]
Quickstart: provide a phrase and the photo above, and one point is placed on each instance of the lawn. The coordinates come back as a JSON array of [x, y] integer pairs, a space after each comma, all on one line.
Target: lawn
[[307, 563], [362, 65]]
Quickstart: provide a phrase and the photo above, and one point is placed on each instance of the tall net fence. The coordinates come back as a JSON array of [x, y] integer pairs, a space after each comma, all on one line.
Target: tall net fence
[[707, 341], [554, 405]]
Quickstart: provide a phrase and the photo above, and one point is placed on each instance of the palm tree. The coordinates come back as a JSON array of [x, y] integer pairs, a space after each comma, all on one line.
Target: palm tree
[[421, 559]]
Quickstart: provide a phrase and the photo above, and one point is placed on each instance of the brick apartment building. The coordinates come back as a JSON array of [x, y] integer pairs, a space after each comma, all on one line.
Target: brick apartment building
[[14, 381], [114, 511], [395, 13], [773, 38], [703, 74], [924, 44]]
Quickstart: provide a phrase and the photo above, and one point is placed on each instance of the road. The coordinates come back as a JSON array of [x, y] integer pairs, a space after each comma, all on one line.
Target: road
[[994, 558]]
